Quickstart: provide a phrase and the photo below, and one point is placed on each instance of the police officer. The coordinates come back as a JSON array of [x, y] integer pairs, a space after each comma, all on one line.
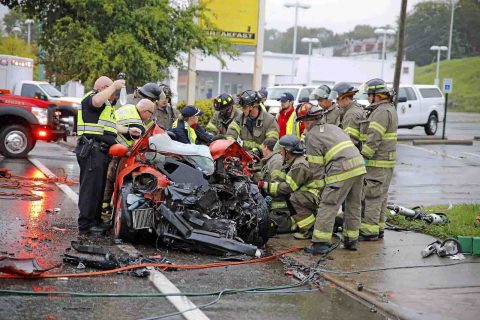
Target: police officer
[[287, 118], [351, 113], [330, 110], [132, 122], [97, 130], [186, 128], [225, 112], [291, 185], [336, 166], [254, 125], [380, 151]]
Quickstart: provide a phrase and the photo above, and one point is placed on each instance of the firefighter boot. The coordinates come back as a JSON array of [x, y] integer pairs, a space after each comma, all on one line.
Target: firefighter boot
[[350, 244], [318, 248]]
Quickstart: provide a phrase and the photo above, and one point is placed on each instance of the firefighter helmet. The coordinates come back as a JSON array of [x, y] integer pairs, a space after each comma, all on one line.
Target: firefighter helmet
[[376, 86], [341, 89], [222, 102], [291, 144], [307, 111], [248, 98], [321, 92], [149, 91]]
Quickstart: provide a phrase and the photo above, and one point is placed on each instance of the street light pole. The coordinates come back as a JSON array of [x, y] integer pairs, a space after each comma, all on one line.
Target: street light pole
[[452, 3], [295, 5], [309, 41], [438, 49], [384, 32], [29, 22]]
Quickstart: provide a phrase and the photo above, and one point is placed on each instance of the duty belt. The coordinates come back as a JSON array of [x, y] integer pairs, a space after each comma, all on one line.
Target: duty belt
[[100, 145]]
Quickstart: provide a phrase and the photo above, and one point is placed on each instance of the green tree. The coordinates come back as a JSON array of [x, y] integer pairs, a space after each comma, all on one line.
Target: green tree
[[16, 18], [16, 47], [83, 39]]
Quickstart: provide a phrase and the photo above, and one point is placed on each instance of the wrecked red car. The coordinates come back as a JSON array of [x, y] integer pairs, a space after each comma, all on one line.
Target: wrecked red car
[[191, 197]]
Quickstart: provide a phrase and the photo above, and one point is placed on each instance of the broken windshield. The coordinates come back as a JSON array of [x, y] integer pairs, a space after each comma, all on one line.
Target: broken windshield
[[198, 154]]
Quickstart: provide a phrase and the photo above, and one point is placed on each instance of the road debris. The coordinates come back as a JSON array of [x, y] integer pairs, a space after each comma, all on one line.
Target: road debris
[[23, 266]]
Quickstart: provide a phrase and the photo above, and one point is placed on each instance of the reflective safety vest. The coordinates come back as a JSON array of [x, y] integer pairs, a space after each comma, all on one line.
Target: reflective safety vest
[[105, 124], [192, 135], [293, 127], [126, 116]]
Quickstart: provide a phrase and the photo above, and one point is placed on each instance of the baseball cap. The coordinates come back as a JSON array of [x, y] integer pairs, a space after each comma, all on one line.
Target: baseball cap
[[286, 96], [190, 111]]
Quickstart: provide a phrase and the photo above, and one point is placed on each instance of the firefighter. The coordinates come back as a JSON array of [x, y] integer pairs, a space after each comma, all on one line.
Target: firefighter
[[186, 128], [165, 113], [132, 122], [379, 149], [351, 113], [254, 125], [149, 91], [287, 117], [330, 110], [337, 167], [225, 112], [272, 160], [96, 128], [290, 185]]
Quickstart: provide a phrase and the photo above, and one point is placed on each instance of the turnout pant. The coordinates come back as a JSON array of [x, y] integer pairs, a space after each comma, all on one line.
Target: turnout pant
[[333, 195], [110, 184], [305, 205], [377, 182], [93, 175]]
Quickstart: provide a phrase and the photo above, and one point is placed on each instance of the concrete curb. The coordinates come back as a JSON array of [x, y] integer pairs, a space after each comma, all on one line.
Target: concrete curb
[[410, 138], [443, 142]]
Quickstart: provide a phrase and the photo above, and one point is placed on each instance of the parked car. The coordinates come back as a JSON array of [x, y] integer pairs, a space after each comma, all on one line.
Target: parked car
[[301, 94], [418, 105]]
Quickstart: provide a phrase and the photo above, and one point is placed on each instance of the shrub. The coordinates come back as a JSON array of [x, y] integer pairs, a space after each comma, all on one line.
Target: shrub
[[206, 105]]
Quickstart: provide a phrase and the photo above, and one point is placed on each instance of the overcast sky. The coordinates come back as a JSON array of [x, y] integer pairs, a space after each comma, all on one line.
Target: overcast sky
[[337, 15]]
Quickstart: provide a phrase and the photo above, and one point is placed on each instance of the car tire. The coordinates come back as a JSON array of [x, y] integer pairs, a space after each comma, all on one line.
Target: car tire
[[432, 124], [16, 141], [121, 216]]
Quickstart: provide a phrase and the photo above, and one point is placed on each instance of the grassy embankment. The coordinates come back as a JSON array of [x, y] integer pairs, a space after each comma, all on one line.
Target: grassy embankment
[[462, 222], [466, 78]]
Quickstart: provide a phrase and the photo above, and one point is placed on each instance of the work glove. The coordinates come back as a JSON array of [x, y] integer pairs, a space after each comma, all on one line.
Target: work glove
[[262, 185]]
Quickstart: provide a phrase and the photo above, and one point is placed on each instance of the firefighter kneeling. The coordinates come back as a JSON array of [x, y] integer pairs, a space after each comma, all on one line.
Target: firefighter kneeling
[[294, 204], [336, 166]]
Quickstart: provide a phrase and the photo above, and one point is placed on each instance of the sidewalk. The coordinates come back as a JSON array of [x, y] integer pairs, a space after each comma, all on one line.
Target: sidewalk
[[449, 292]]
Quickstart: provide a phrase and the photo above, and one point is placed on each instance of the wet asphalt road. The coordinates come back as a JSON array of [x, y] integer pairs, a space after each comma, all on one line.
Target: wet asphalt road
[[424, 175], [27, 230]]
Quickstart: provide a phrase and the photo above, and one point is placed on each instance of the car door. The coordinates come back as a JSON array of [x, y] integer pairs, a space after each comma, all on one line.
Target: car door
[[408, 111]]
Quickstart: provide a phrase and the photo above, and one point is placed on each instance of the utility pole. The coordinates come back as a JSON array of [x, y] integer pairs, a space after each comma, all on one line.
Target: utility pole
[[192, 69], [452, 4], [400, 48], [257, 69]]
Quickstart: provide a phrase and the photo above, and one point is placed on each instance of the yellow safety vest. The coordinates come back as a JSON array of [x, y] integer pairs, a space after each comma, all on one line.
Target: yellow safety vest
[[126, 116], [106, 123], [293, 127], [192, 135]]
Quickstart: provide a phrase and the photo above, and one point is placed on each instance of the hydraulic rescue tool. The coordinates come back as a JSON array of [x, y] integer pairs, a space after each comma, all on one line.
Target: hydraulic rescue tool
[[417, 213]]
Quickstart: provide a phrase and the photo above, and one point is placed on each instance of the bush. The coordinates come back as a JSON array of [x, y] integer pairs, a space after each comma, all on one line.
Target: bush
[[206, 105]]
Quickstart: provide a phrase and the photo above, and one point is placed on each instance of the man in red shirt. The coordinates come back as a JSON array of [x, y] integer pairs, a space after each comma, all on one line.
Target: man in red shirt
[[286, 118]]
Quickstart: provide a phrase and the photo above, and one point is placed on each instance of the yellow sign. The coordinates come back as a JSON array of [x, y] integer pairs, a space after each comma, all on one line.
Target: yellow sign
[[235, 20]]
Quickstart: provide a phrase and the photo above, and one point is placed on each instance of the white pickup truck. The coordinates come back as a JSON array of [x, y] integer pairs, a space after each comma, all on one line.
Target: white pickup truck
[[418, 105]]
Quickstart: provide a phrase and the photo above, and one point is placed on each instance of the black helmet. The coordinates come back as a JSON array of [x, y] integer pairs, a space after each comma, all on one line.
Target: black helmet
[[149, 91], [166, 90], [321, 92], [263, 92], [248, 98], [341, 89], [376, 86], [291, 144], [222, 102]]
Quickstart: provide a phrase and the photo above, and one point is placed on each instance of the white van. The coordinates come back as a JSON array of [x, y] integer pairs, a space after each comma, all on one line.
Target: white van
[[301, 93], [418, 105]]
